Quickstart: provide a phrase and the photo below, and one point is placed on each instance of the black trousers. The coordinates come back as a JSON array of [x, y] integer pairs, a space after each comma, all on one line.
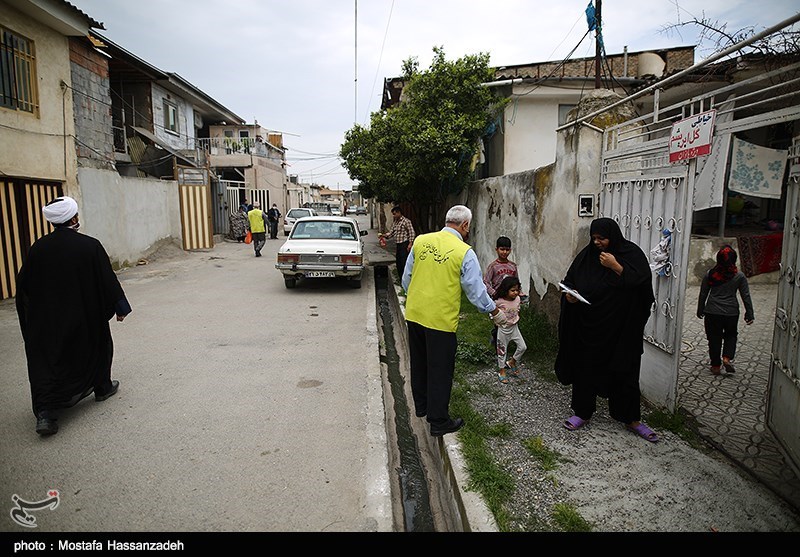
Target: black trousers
[[433, 361], [624, 398], [259, 239], [400, 256], [273, 229], [721, 332]]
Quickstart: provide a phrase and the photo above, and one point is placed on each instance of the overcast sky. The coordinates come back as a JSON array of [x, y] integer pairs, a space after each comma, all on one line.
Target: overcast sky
[[294, 65]]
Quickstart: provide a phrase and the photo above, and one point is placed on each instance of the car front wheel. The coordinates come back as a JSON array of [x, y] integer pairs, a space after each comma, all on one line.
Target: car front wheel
[[289, 282]]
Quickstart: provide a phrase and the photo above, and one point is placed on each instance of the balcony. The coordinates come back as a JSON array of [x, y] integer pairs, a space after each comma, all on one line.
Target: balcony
[[229, 152], [234, 146]]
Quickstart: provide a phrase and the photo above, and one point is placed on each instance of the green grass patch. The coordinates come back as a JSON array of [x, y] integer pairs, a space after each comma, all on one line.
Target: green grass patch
[[680, 423], [568, 519], [548, 458]]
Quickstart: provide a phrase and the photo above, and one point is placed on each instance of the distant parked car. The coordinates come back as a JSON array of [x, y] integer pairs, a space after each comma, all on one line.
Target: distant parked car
[[323, 247], [361, 210], [336, 212], [351, 209], [293, 214]]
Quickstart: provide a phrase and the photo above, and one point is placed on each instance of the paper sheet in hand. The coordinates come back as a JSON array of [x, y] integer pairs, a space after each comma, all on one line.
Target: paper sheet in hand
[[568, 290]]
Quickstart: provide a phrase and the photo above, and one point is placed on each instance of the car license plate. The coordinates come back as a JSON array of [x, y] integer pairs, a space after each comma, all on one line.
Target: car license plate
[[320, 274]]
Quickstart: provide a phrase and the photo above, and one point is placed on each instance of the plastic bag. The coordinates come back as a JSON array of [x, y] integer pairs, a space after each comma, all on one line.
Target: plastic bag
[[248, 238], [659, 255]]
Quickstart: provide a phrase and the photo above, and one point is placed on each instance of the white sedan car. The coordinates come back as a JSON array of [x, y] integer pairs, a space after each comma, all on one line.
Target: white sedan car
[[294, 214], [323, 247]]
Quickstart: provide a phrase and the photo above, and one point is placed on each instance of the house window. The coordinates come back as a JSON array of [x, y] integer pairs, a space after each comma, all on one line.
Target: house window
[[563, 109], [17, 73], [170, 117]]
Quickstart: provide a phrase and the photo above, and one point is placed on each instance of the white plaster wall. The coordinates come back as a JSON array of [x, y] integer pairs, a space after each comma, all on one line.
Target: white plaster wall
[[128, 215], [186, 131], [545, 229], [41, 147], [530, 126]]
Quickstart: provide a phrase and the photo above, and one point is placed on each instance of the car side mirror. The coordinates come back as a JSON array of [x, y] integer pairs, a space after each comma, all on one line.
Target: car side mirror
[[363, 232]]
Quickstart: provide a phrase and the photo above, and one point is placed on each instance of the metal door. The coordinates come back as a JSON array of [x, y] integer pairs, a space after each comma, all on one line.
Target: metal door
[[21, 224], [646, 194], [783, 402], [195, 200]]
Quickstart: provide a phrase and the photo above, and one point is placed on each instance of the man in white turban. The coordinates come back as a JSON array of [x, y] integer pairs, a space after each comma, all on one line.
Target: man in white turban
[[60, 210], [66, 294]]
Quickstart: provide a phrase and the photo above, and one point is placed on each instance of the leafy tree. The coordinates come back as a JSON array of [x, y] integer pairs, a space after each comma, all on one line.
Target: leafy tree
[[421, 150]]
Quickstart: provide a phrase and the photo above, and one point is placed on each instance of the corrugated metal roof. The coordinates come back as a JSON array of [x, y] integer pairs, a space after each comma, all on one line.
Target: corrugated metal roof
[[94, 24]]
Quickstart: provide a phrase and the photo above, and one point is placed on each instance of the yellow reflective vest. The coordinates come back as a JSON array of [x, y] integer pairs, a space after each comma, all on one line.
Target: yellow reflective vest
[[256, 218], [434, 293]]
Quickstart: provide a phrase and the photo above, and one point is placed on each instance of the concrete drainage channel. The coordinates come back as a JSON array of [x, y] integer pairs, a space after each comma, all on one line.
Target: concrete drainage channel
[[427, 471]]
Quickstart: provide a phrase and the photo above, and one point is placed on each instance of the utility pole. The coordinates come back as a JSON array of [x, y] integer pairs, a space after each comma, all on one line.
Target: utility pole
[[355, 25], [598, 37]]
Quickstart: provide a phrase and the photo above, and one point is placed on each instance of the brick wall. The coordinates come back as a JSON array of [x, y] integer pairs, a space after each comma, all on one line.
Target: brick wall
[[675, 58], [91, 99]]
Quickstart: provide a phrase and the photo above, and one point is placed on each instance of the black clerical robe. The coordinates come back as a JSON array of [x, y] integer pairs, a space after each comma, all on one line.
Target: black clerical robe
[[67, 292]]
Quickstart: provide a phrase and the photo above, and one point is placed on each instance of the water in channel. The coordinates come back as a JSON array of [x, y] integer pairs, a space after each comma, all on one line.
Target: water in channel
[[413, 484]]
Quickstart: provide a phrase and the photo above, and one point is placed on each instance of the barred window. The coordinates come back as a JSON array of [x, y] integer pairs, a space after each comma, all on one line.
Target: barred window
[[17, 73]]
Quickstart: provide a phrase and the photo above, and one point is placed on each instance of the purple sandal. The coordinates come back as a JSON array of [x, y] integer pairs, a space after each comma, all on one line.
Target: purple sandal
[[644, 432], [574, 422]]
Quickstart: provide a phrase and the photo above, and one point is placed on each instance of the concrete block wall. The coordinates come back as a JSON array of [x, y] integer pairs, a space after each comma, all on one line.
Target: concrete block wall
[[91, 98]]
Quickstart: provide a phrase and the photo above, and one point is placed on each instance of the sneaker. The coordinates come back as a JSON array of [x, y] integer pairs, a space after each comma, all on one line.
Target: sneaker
[[715, 370]]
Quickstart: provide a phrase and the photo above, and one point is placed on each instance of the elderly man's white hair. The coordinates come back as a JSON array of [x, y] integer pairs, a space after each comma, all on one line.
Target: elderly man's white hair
[[458, 214]]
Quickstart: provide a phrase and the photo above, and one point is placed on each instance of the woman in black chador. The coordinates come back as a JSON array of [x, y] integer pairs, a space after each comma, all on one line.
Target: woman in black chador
[[601, 343]]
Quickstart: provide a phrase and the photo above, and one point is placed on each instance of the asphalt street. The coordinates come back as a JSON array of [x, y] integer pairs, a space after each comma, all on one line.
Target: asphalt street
[[243, 407]]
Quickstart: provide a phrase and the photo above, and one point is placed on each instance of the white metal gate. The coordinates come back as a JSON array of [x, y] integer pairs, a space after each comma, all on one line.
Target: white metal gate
[[783, 403], [646, 195]]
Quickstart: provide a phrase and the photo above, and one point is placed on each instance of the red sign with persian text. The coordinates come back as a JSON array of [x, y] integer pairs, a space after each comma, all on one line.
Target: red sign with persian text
[[691, 137]]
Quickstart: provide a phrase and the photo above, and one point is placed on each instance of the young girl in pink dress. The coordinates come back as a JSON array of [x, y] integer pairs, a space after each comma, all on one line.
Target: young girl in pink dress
[[508, 300]]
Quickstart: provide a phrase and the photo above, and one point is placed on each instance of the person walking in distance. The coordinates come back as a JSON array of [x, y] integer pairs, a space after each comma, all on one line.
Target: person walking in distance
[[237, 225], [273, 216], [440, 266], [719, 308], [403, 233], [257, 225], [67, 292]]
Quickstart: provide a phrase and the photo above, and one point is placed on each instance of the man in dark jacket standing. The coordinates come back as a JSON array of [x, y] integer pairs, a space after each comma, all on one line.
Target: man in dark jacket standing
[[273, 215], [66, 294]]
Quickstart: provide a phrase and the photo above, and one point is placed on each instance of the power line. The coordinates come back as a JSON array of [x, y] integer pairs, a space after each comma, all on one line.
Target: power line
[[380, 59]]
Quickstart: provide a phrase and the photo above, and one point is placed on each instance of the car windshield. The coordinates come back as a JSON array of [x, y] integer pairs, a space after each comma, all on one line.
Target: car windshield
[[298, 213], [323, 230]]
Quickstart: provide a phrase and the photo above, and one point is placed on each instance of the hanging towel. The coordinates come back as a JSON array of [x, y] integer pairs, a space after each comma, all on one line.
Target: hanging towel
[[709, 185], [756, 170]]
